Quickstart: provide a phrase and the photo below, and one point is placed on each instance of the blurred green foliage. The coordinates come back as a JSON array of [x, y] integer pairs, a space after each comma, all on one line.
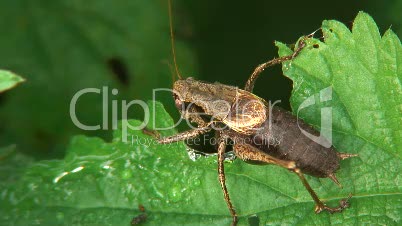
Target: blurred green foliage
[[61, 47]]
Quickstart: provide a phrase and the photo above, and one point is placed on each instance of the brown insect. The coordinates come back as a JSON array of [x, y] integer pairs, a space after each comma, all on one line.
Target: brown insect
[[259, 133]]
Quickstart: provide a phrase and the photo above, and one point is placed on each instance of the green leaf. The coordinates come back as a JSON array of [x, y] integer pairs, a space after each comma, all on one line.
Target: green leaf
[[8, 80], [365, 73], [101, 183]]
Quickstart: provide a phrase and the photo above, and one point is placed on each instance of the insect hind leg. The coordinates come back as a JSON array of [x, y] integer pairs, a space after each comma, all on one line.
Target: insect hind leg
[[250, 153], [319, 205]]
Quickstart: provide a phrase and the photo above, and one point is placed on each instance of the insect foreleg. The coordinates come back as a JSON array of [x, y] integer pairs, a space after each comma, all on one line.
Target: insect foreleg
[[194, 115], [178, 137]]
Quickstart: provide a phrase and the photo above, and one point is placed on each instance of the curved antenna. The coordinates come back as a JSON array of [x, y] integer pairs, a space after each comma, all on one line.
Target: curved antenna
[[172, 39]]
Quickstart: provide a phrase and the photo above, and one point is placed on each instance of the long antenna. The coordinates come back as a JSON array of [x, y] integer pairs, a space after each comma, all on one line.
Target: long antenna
[[172, 40]]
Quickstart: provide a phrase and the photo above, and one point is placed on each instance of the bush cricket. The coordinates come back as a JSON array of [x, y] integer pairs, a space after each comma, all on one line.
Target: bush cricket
[[259, 133]]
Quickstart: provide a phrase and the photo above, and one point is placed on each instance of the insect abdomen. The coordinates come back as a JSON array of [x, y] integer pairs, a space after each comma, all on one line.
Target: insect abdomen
[[286, 141]]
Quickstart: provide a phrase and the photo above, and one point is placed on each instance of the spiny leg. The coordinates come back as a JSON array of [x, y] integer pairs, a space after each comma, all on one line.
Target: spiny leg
[[319, 205], [190, 113], [222, 179], [248, 152], [260, 68], [177, 137]]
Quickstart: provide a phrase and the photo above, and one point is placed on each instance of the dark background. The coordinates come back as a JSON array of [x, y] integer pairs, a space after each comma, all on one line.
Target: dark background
[[232, 37], [61, 47]]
